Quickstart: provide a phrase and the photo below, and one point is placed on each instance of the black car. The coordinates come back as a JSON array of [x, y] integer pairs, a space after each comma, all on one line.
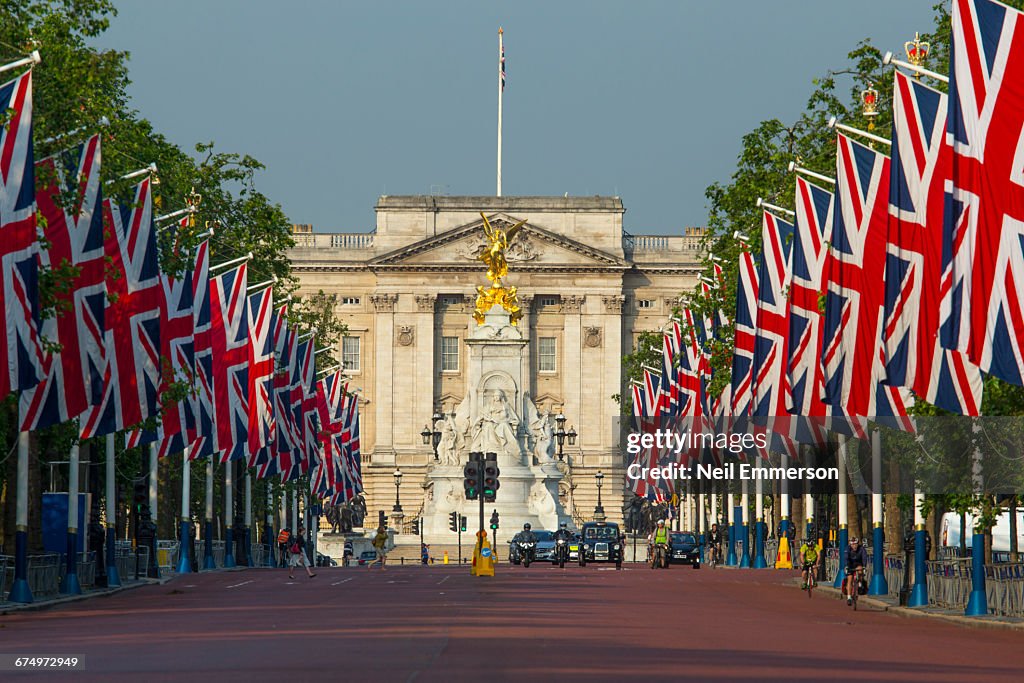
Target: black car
[[601, 542], [684, 549]]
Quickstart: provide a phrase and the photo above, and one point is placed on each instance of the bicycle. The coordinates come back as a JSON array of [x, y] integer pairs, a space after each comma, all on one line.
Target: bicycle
[[713, 555], [812, 580], [853, 582]]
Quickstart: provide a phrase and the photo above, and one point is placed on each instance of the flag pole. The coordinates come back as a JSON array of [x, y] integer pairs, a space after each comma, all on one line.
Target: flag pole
[[501, 88]]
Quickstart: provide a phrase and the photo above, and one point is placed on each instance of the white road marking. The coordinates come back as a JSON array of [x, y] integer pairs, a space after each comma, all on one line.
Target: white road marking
[[241, 584], [444, 579], [342, 581]]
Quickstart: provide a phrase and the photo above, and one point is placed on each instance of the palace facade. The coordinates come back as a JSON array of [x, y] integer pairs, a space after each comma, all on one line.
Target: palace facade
[[406, 291]]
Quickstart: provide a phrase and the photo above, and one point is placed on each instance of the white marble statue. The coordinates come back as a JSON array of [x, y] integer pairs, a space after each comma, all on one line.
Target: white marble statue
[[452, 442], [543, 435], [495, 428]]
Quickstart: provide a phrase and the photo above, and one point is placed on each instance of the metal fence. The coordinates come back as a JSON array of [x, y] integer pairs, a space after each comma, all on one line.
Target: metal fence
[[86, 568], [950, 583]]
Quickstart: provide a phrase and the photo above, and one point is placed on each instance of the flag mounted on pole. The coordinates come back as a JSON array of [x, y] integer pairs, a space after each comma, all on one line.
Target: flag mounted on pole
[[984, 216], [22, 358], [71, 203], [206, 426], [229, 336]]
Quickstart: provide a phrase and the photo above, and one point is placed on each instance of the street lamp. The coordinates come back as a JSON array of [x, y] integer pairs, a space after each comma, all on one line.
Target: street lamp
[[561, 434], [398, 482], [599, 510], [432, 436]]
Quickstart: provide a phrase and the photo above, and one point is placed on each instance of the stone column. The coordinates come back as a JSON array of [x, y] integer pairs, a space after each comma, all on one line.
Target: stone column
[[571, 368], [384, 336], [529, 355], [425, 377]]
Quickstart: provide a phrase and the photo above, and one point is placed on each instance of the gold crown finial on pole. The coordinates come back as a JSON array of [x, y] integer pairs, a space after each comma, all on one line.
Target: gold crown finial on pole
[[917, 52], [192, 201], [869, 99]]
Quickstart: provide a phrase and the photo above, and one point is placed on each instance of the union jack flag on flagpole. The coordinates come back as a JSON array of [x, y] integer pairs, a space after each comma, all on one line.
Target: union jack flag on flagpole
[[206, 424], [22, 358], [745, 335], [350, 483], [984, 215], [854, 268], [229, 337], [74, 234], [131, 379], [771, 388], [261, 378], [913, 267], [302, 377], [281, 443]]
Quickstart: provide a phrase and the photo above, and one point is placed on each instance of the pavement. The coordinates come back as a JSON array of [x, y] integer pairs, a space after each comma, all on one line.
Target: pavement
[[438, 623]]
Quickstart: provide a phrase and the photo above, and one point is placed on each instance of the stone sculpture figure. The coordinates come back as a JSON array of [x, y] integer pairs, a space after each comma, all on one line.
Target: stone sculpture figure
[[452, 442], [495, 429], [544, 436]]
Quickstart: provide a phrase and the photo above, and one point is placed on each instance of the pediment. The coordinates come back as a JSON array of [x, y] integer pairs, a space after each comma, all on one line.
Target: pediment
[[532, 248]]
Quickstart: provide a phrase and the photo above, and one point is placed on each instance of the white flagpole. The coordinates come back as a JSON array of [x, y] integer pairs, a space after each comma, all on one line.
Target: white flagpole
[[501, 73]]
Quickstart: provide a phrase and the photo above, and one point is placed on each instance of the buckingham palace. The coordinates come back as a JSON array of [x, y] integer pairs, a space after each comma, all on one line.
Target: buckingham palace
[[406, 291]]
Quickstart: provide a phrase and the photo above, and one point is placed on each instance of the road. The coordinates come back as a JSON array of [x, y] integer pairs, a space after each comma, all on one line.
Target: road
[[417, 623]]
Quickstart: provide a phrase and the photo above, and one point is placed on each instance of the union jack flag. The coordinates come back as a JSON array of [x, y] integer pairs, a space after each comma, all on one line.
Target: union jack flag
[[350, 483], [330, 403], [984, 217], [913, 265], [177, 330], [74, 374], [261, 378], [854, 269], [745, 324], [229, 338], [22, 358], [206, 424], [283, 339], [131, 379], [646, 487], [303, 376]]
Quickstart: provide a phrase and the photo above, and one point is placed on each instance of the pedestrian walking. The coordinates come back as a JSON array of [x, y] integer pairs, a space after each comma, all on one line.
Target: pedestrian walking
[[425, 557], [297, 554], [282, 546], [380, 544]]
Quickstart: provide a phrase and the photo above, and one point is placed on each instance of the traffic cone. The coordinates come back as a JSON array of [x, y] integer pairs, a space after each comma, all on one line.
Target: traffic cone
[[784, 558]]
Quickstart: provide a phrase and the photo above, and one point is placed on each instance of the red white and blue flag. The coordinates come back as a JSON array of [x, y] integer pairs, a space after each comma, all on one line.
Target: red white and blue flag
[[913, 266], [303, 377], [854, 272], [177, 428], [350, 483], [984, 216], [229, 336], [206, 424], [281, 443], [22, 358], [71, 205], [131, 380], [745, 331], [261, 378]]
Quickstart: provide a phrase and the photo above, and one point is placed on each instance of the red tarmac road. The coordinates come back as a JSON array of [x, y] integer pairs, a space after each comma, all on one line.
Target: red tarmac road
[[416, 623]]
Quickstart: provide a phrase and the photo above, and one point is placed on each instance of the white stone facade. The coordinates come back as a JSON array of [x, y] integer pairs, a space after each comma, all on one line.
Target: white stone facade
[[587, 290]]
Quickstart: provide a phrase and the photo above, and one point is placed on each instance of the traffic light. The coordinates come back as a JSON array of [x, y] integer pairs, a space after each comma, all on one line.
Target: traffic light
[[491, 472], [462, 523], [139, 496], [382, 519], [415, 527], [471, 475], [494, 520], [453, 521]]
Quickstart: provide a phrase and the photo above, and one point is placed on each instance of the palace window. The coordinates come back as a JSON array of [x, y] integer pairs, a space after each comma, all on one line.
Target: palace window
[[645, 303], [547, 354], [350, 301], [547, 301], [449, 354], [350, 353]]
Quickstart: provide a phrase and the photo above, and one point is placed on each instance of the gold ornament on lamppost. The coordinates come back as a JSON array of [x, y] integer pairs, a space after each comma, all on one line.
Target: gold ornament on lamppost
[[493, 256], [916, 51], [192, 200], [869, 98]]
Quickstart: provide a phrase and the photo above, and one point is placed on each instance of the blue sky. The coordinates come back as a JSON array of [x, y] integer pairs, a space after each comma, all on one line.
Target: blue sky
[[345, 101]]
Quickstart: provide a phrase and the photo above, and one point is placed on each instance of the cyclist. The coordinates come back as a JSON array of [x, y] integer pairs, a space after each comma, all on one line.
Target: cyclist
[[856, 560], [715, 541], [659, 539], [808, 561]]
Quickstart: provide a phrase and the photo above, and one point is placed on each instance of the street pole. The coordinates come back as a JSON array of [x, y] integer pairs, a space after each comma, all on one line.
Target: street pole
[[113, 576], [208, 561], [185, 547], [730, 516], [20, 591], [745, 525], [248, 519], [919, 593], [784, 499], [879, 585], [759, 525], [69, 584], [229, 509], [268, 527], [843, 514], [153, 466]]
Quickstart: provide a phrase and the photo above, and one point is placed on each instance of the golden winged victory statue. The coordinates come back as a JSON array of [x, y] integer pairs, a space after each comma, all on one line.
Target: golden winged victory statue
[[497, 267]]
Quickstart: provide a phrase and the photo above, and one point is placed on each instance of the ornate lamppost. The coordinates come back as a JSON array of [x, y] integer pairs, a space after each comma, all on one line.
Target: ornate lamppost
[[599, 510], [398, 482], [432, 436], [561, 435]]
